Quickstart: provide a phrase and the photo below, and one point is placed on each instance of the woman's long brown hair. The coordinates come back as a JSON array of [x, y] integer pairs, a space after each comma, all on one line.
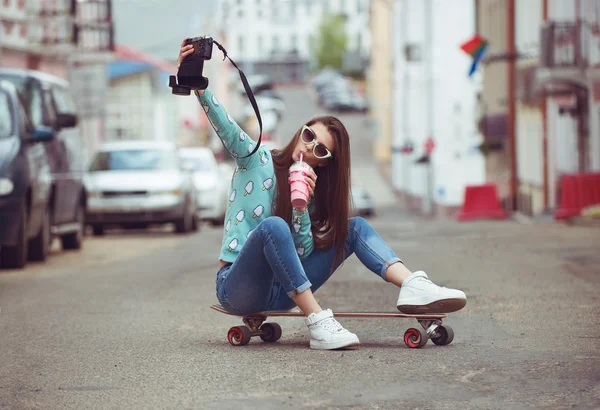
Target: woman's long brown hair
[[332, 192]]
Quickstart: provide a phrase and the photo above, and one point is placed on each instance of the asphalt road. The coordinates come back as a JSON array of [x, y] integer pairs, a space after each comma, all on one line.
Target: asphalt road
[[126, 324]]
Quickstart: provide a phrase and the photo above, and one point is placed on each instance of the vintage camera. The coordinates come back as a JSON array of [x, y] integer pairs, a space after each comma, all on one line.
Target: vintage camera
[[189, 75]]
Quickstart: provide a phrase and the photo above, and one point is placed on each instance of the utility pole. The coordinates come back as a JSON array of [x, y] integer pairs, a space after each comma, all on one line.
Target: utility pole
[[543, 108], [428, 209], [406, 158], [93, 43], [512, 114]]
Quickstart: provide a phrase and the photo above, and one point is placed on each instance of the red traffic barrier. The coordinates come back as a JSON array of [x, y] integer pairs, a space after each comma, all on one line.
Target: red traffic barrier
[[577, 191], [481, 202]]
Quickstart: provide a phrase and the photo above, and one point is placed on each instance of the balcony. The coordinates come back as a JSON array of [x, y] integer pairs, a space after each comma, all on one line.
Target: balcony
[[567, 51]]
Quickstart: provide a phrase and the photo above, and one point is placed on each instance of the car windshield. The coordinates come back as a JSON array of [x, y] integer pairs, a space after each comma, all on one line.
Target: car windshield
[[17, 81], [6, 119], [198, 163], [31, 97], [135, 160]]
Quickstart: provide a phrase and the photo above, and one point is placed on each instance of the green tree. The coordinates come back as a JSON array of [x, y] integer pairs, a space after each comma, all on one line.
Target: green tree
[[331, 41]]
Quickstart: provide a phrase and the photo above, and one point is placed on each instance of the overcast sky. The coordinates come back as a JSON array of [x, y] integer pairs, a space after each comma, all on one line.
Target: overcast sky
[[158, 26]]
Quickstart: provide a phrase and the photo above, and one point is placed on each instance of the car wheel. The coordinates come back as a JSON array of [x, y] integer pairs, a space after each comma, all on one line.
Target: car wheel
[[39, 246], [217, 222], [184, 224], [15, 257], [74, 240], [195, 223], [97, 230]]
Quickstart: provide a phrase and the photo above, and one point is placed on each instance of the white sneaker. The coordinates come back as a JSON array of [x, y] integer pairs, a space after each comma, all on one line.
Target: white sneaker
[[326, 333], [420, 295]]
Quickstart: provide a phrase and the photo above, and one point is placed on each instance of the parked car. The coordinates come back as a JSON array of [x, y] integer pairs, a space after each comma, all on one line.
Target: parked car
[[47, 103], [345, 102], [134, 184], [338, 93], [25, 183], [324, 77], [362, 202], [272, 111], [211, 188]]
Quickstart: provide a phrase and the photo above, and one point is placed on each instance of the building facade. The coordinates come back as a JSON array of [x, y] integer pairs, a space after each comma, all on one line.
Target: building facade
[[434, 100], [70, 39], [493, 103], [273, 37], [550, 50], [568, 78], [24, 36]]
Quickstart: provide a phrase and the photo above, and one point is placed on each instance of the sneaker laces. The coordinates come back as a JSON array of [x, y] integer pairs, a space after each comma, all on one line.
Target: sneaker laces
[[426, 279], [331, 324]]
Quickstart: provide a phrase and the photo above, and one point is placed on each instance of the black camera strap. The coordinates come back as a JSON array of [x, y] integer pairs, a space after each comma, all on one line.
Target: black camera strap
[[250, 95]]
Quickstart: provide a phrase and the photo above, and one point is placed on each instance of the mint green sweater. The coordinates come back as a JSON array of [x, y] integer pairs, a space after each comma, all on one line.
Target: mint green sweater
[[252, 186]]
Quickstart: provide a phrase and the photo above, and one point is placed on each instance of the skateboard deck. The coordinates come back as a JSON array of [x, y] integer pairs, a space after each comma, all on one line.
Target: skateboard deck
[[271, 332]]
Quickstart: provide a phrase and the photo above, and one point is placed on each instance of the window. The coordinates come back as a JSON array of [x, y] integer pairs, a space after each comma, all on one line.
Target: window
[[294, 42], [275, 43], [24, 122], [412, 52], [201, 161], [135, 160], [6, 118], [62, 101], [49, 108], [35, 106], [240, 9], [259, 44], [32, 98], [240, 44]]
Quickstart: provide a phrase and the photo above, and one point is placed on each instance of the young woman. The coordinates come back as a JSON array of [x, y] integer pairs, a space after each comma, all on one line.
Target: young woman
[[273, 257]]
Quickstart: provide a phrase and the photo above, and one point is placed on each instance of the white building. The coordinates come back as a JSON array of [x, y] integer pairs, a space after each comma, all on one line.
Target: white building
[[568, 76], [557, 126], [37, 35], [140, 104], [434, 97], [275, 35]]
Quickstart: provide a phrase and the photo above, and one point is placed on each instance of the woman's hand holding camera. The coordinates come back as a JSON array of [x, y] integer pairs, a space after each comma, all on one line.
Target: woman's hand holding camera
[[184, 51]]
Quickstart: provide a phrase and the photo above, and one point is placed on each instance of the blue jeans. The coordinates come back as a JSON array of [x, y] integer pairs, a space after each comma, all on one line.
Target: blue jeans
[[268, 273]]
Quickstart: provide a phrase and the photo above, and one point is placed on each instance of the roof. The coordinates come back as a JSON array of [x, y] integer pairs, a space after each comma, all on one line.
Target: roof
[[196, 152], [137, 144], [131, 61], [38, 75], [8, 86]]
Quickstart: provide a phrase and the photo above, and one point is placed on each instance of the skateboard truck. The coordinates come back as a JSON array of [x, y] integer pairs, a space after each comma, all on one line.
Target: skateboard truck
[[439, 334]]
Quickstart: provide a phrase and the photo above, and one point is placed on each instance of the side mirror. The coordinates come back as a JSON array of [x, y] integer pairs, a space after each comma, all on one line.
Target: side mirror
[[66, 120], [41, 134]]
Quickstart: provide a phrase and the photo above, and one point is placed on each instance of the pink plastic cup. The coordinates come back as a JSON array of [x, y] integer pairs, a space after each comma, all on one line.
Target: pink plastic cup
[[298, 184]]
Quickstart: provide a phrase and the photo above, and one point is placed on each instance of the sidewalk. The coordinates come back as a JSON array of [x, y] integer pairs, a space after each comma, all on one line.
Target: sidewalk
[[384, 172]]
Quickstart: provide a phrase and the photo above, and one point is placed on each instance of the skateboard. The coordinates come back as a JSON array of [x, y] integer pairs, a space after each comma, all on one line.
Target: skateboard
[[415, 337]]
